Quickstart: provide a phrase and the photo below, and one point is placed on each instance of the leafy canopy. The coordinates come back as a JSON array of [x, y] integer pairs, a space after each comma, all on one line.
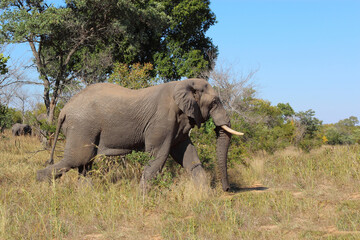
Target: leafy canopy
[[168, 34], [135, 76]]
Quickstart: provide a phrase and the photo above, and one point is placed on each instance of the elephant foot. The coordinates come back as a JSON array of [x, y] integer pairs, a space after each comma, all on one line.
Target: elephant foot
[[50, 173], [200, 178], [43, 175], [225, 186]]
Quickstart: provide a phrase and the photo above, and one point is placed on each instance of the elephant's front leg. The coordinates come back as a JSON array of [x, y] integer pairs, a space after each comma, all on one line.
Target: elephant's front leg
[[186, 155], [156, 164]]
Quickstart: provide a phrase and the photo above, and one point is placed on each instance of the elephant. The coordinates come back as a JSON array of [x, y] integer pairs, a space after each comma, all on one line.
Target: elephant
[[19, 129], [107, 119]]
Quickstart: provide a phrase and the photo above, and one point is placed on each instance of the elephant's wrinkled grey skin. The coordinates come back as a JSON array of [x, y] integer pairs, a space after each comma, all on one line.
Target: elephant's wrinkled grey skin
[[111, 120], [19, 129]]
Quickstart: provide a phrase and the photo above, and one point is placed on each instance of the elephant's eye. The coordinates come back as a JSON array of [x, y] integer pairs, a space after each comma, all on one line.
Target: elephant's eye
[[214, 102]]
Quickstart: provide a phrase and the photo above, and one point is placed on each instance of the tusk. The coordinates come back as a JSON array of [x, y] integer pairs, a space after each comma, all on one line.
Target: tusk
[[229, 130]]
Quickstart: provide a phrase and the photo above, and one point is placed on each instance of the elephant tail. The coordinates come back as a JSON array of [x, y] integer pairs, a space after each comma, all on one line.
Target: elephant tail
[[58, 128]]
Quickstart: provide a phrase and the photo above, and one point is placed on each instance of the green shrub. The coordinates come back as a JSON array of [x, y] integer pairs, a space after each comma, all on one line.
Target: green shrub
[[343, 132], [307, 144], [8, 116]]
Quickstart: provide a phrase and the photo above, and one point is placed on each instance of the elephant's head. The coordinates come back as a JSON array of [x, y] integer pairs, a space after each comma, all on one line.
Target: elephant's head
[[199, 101]]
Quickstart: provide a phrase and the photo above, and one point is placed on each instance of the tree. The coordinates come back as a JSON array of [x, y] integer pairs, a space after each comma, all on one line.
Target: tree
[[81, 40], [3, 61], [185, 51], [286, 110], [311, 123], [349, 122], [4, 115]]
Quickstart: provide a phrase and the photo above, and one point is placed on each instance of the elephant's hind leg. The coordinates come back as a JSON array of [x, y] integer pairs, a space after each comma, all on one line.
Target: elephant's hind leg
[[53, 171], [78, 153]]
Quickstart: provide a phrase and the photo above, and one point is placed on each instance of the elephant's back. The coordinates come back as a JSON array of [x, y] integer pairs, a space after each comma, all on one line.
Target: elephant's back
[[96, 102], [100, 89]]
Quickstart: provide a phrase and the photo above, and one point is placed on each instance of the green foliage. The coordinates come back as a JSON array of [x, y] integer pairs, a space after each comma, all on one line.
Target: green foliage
[[311, 123], [184, 47], [348, 122], [47, 127], [37, 118], [168, 34], [308, 134], [16, 115], [9, 116], [344, 132], [264, 125], [165, 179], [308, 143], [286, 110], [138, 157], [204, 139], [3, 61], [5, 117], [135, 76]]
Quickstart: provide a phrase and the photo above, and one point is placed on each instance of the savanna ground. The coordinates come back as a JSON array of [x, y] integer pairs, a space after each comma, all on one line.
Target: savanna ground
[[288, 195]]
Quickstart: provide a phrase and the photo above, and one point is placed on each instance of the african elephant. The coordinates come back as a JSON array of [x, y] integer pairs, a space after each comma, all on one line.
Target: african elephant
[[110, 120], [19, 129]]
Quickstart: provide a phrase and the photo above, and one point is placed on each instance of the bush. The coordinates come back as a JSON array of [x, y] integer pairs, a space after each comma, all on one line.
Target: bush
[[8, 116], [343, 132], [335, 136], [307, 144]]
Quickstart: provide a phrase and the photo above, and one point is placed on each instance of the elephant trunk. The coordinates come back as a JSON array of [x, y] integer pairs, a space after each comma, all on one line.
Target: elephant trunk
[[222, 147]]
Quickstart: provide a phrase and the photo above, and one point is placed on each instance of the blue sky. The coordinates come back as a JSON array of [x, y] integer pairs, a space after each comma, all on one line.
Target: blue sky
[[307, 52]]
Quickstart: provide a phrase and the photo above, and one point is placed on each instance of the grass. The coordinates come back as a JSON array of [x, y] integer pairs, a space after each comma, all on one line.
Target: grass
[[288, 195]]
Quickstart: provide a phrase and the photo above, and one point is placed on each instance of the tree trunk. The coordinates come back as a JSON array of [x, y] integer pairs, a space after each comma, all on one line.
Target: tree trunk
[[51, 112]]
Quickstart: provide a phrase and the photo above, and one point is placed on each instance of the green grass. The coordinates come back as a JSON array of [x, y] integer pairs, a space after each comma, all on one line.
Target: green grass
[[287, 195]]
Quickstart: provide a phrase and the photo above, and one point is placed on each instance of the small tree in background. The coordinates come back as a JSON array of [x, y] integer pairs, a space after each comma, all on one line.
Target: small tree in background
[[132, 76], [286, 110], [308, 130]]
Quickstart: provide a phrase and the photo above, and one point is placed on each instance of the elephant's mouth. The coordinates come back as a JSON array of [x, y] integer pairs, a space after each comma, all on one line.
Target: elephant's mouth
[[192, 122], [232, 131]]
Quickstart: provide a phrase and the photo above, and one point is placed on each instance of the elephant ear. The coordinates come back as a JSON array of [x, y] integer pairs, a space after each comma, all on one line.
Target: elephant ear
[[184, 96]]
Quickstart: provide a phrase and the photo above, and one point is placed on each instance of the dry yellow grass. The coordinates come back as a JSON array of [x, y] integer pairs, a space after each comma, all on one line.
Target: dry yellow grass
[[288, 195]]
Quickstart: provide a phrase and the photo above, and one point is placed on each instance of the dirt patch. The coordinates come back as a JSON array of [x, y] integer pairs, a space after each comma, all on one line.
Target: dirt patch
[[93, 237], [333, 231], [354, 196], [298, 194], [269, 227]]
